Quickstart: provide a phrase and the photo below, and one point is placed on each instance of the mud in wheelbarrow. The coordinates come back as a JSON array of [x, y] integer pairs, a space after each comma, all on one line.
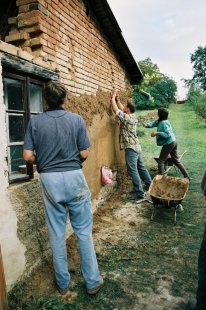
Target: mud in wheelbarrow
[[167, 192]]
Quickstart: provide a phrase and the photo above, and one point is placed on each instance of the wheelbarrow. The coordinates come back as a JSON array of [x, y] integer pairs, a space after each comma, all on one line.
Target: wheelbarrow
[[168, 192]]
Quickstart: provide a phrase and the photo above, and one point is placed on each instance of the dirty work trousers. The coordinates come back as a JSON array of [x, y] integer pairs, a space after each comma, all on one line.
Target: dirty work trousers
[[170, 149], [63, 193], [137, 171], [201, 290]]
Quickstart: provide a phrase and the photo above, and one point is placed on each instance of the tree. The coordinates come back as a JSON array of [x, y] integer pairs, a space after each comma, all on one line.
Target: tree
[[156, 89], [197, 99], [167, 88], [198, 60], [150, 72]]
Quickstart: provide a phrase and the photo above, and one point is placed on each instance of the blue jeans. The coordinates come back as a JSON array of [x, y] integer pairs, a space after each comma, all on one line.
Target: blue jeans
[[62, 192], [137, 171]]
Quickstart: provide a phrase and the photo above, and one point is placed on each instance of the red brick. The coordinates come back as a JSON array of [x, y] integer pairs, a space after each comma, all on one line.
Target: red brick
[[48, 50], [70, 40], [8, 48], [17, 37], [23, 9], [23, 2], [29, 15], [39, 53], [35, 29], [31, 7], [38, 42], [29, 22], [27, 49], [56, 26]]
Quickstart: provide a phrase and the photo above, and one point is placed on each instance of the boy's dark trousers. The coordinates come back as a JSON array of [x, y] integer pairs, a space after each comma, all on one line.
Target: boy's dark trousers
[[201, 290], [170, 149]]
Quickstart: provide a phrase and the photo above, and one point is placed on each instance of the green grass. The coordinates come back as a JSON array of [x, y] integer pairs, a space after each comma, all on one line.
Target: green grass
[[190, 132], [153, 251]]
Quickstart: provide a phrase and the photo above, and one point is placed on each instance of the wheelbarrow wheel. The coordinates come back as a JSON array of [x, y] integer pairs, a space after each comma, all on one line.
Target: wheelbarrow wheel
[[153, 212]]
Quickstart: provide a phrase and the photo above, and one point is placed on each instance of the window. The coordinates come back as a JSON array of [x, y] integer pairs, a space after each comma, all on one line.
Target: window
[[23, 100]]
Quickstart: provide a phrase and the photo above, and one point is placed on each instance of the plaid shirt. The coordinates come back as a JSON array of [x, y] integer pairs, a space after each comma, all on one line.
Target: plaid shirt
[[128, 132]]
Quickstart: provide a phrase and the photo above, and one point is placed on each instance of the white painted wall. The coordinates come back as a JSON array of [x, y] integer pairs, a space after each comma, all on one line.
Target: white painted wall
[[12, 249]]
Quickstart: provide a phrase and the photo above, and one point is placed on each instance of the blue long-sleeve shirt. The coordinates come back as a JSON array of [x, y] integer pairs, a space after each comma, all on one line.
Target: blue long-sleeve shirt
[[166, 135]]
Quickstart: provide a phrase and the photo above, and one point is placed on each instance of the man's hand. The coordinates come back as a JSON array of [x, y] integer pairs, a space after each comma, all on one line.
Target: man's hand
[[114, 94], [116, 101], [113, 101], [83, 155], [154, 133], [29, 156]]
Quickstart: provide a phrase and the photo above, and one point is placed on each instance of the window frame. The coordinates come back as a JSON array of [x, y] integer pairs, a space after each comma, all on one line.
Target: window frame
[[27, 114], [18, 66]]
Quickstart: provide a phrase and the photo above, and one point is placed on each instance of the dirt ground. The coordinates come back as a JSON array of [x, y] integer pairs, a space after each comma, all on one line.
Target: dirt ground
[[126, 259], [144, 263]]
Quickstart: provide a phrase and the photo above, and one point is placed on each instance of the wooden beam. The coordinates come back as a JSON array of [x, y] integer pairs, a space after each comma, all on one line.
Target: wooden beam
[[3, 293], [21, 65]]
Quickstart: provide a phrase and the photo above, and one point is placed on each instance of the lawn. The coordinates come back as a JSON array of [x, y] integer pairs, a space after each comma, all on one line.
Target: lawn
[[146, 265]]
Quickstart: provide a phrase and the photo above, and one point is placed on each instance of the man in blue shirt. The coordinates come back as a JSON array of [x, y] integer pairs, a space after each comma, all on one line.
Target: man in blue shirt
[[57, 142]]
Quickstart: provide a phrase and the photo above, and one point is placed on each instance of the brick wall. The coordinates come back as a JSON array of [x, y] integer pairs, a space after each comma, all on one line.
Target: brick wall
[[64, 34], [61, 36]]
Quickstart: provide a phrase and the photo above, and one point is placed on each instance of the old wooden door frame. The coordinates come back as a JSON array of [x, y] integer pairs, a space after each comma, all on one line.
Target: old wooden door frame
[[3, 292]]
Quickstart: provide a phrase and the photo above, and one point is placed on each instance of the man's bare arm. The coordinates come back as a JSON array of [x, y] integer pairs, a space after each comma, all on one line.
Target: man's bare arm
[[119, 104], [83, 155], [114, 103], [29, 156]]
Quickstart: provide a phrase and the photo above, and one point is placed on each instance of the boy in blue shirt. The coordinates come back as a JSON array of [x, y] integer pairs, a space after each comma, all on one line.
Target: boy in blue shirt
[[166, 138]]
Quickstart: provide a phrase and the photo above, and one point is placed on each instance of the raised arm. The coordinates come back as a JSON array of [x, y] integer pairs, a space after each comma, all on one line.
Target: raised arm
[[116, 103], [119, 104]]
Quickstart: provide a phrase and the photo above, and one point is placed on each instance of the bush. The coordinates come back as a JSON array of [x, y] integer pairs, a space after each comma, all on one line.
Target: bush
[[143, 103], [200, 106], [197, 98], [193, 94]]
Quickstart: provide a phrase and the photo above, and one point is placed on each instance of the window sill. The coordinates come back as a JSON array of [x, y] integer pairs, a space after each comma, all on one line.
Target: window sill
[[18, 177]]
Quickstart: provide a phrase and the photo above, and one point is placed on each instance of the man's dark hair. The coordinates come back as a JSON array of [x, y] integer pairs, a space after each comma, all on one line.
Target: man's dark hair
[[54, 94], [163, 114], [131, 105]]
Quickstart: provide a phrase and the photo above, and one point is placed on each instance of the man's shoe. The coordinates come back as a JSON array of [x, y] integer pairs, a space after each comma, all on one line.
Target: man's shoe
[[146, 187], [93, 291], [135, 197], [192, 304], [62, 291]]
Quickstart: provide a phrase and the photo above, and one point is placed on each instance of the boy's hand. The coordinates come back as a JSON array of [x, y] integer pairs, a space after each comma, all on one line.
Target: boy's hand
[[114, 94], [154, 133]]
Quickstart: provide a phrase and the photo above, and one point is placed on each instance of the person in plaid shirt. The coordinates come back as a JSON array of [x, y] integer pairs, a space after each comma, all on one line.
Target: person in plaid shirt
[[129, 141]]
